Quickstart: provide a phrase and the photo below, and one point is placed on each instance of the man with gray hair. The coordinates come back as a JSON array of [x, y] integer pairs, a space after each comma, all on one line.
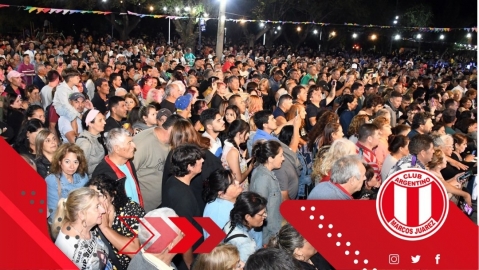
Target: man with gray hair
[[118, 165], [172, 92], [40, 79], [347, 177], [162, 260]]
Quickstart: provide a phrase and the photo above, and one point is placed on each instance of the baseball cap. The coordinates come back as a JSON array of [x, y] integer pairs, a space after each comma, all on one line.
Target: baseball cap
[[14, 74], [163, 112], [183, 102], [76, 96]]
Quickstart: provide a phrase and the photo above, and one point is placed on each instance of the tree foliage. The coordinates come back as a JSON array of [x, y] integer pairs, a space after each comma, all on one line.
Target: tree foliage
[[188, 28], [419, 15]]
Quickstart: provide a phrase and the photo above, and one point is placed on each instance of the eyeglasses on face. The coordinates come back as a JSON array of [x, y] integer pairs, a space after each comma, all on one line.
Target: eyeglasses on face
[[264, 214]]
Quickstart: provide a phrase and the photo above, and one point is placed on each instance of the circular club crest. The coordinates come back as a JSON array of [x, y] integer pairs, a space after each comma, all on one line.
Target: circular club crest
[[412, 204]]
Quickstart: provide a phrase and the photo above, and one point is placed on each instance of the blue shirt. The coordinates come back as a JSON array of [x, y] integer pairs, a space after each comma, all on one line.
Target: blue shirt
[[130, 186], [263, 135], [219, 211], [52, 189]]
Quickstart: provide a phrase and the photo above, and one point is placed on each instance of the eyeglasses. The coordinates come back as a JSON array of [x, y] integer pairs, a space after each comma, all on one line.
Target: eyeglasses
[[265, 214]]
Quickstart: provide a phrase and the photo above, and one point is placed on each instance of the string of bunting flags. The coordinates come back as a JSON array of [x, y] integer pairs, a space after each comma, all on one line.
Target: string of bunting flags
[[38, 10]]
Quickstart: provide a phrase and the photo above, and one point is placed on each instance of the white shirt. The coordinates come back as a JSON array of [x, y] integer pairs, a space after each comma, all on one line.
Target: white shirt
[[65, 126], [46, 96]]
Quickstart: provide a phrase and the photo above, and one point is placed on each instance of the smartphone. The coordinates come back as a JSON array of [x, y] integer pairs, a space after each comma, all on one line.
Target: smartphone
[[333, 83], [473, 152], [464, 176], [467, 209], [354, 66]]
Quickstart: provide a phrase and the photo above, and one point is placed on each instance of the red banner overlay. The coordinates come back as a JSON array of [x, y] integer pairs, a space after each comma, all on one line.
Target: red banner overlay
[[347, 233], [350, 236]]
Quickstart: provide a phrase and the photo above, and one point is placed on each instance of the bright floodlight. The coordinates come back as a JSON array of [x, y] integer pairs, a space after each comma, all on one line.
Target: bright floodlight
[[373, 37], [187, 8], [165, 8], [333, 33], [397, 37], [151, 8], [355, 35], [468, 35], [441, 37], [298, 29], [275, 32], [315, 31], [177, 8], [397, 17], [418, 36], [279, 27], [261, 24]]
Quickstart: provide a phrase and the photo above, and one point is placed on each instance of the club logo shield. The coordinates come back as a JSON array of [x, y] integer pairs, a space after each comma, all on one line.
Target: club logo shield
[[412, 204]]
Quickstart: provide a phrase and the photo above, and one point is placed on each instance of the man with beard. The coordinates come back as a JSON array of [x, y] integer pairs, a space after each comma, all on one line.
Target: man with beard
[[214, 124]]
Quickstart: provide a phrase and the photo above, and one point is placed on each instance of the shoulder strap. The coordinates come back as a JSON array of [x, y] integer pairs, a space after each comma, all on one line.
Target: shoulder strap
[[227, 239]]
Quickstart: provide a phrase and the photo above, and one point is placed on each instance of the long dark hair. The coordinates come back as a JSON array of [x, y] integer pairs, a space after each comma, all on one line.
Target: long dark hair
[[344, 105], [237, 126], [247, 203], [262, 150], [218, 180], [32, 125]]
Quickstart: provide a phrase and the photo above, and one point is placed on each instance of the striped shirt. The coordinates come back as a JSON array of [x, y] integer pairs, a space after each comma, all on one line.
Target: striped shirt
[[370, 158]]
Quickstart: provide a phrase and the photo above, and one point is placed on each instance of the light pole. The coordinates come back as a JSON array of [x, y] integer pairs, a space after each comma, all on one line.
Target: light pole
[[220, 35], [419, 36], [169, 25]]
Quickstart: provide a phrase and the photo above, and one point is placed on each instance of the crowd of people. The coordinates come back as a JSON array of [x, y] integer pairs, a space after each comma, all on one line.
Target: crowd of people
[[134, 128]]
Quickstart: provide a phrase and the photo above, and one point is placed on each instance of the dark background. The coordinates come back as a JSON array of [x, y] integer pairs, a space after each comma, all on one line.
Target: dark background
[[446, 13]]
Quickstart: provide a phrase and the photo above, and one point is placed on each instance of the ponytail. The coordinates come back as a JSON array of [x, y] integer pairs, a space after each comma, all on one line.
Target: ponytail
[[58, 220]]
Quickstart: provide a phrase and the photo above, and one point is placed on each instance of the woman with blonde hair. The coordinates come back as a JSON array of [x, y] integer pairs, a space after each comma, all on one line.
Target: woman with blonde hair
[[268, 97], [222, 257], [255, 104], [72, 230], [339, 148], [69, 171]]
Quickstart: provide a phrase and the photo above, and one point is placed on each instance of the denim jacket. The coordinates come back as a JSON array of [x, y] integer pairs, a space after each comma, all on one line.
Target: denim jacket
[[52, 189], [265, 183], [245, 245]]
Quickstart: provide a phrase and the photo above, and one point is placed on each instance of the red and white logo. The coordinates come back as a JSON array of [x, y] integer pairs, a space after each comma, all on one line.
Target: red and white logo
[[412, 204]]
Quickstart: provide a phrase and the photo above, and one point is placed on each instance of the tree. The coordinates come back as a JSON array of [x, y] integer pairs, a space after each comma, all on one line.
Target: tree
[[123, 24], [419, 15], [273, 10], [187, 28]]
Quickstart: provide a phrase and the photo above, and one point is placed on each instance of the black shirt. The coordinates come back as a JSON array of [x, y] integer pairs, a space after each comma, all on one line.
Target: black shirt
[[165, 104], [210, 164], [111, 123], [100, 104], [311, 111], [217, 100], [179, 197]]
